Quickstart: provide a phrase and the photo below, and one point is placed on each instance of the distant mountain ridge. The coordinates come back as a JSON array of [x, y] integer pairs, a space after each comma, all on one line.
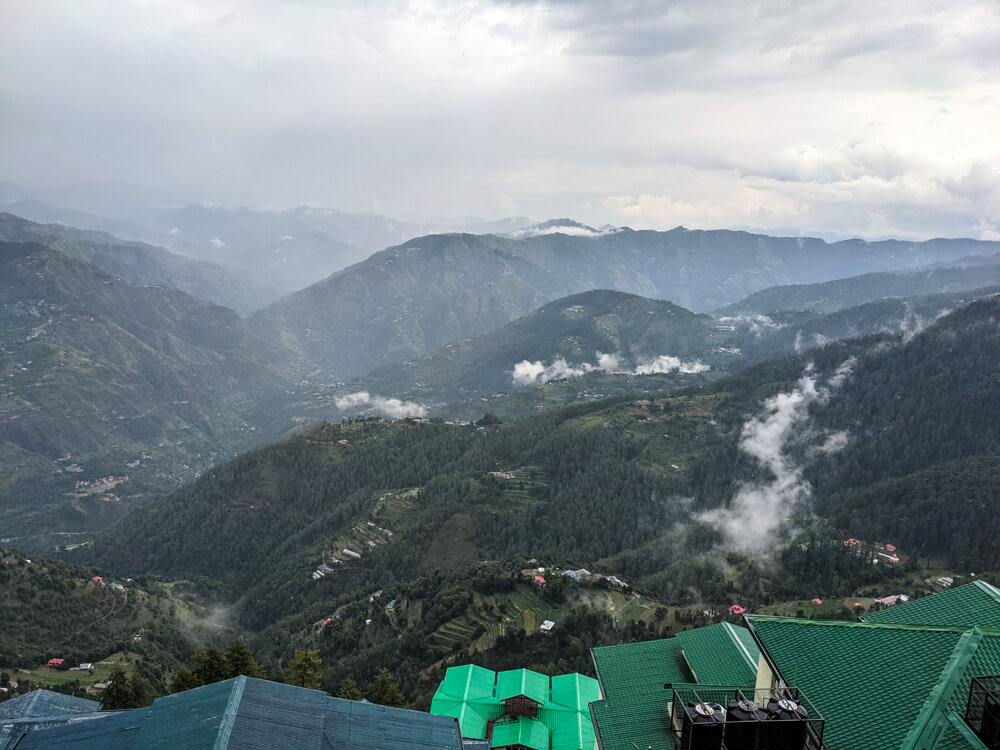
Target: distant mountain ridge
[[136, 262], [831, 296], [105, 380], [410, 299]]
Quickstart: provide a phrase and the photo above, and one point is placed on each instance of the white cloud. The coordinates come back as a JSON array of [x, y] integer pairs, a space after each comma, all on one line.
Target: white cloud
[[666, 363], [527, 373], [536, 373], [780, 118], [394, 408], [760, 508]]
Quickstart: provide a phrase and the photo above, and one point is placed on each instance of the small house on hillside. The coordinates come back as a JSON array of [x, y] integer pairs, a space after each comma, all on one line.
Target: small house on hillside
[[55, 663]]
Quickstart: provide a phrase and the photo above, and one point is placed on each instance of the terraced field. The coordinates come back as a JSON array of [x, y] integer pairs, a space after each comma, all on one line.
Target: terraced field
[[525, 608], [379, 526]]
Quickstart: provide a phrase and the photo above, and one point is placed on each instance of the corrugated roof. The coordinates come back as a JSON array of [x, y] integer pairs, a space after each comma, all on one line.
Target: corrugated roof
[[247, 713], [871, 682], [721, 655], [521, 731], [575, 690], [475, 696], [633, 680], [45, 703], [975, 604], [515, 682]]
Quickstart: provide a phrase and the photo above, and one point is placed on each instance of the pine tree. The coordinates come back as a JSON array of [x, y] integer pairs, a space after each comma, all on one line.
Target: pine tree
[[183, 680], [239, 661], [124, 691], [303, 669], [349, 690], [386, 691], [210, 666]]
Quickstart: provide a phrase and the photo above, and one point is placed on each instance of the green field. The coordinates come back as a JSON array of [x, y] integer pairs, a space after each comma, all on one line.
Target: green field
[[45, 677]]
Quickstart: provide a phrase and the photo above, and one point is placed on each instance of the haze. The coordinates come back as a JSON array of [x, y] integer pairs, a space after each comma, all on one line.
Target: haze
[[871, 119]]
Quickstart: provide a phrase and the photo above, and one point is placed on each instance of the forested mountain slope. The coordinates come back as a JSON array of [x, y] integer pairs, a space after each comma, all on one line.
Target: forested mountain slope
[[631, 331], [137, 262], [112, 391], [553, 356], [831, 296], [55, 610], [416, 297], [623, 481]]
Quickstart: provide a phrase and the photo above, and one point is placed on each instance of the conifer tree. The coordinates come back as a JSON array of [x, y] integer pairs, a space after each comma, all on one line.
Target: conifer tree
[[349, 690], [303, 669], [385, 690]]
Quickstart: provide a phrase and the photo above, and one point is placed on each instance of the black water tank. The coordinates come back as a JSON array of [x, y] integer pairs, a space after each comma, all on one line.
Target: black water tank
[[744, 725], [786, 725], [703, 725]]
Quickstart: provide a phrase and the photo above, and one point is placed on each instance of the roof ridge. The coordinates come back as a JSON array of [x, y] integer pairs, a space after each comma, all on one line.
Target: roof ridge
[[989, 589], [731, 632], [229, 715], [930, 714], [871, 625]]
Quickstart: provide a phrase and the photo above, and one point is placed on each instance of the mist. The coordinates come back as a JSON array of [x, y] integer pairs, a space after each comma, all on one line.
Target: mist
[[761, 509]]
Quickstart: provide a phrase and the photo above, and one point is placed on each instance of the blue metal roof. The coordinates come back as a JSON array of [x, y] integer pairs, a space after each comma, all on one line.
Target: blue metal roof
[[238, 714], [45, 703]]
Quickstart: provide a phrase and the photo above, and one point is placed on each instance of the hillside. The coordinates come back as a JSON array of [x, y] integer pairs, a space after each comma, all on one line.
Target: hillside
[[624, 481], [633, 332], [551, 357], [54, 610], [839, 294], [113, 391], [411, 299], [139, 263]]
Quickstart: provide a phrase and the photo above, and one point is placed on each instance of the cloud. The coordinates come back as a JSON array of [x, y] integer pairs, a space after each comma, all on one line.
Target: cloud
[[536, 373], [760, 509], [755, 323], [608, 362], [527, 373], [666, 363], [394, 408], [789, 117]]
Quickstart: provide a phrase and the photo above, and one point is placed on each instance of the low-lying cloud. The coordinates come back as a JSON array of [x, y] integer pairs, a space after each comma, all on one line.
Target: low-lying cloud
[[761, 508], [362, 401], [536, 372], [667, 363]]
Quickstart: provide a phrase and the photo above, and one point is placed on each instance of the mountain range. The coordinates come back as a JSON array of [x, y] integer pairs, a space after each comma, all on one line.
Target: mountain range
[[113, 390], [418, 296]]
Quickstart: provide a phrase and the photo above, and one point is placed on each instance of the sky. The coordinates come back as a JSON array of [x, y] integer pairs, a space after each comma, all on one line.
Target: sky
[[873, 118]]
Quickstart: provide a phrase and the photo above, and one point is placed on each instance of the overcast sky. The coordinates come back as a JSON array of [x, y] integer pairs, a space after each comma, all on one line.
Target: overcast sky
[[853, 118]]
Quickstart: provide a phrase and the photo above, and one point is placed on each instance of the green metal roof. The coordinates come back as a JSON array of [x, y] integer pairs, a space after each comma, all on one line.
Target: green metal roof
[[521, 731], [633, 680], [575, 691], [877, 685], [475, 697], [468, 682], [574, 731], [975, 604], [515, 682], [721, 655]]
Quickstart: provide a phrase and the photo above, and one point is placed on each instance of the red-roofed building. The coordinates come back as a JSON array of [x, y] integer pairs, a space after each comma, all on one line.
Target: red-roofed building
[[539, 580], [55, 663], [891, 547], [852, 542], [736, 609], [817, 600], [98, 579]]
